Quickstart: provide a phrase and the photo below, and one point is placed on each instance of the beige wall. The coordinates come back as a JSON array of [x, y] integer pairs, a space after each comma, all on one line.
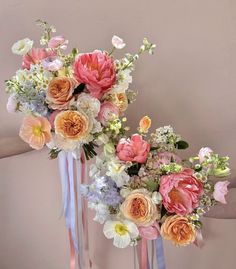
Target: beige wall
[[190, 82]]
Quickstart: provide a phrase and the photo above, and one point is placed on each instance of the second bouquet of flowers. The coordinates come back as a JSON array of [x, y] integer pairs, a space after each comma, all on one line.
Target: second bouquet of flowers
[[143, 190]]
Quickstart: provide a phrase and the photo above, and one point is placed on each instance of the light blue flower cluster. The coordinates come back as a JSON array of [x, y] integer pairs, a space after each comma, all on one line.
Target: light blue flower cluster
[[102, 190]]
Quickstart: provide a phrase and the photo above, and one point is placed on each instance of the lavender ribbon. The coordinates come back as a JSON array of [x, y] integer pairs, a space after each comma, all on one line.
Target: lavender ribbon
[[66, 168], [160, 253]]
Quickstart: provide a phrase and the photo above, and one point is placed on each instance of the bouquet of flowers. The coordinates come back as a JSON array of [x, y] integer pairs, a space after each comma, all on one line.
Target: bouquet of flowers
[[69, 99], [72, 103], [142, 189]]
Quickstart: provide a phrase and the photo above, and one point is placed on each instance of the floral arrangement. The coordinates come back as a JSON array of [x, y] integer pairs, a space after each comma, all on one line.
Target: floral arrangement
[[141, 188], [70, 100]]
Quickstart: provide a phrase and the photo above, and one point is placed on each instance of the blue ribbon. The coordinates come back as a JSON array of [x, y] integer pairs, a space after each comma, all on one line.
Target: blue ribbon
[[160, 253]]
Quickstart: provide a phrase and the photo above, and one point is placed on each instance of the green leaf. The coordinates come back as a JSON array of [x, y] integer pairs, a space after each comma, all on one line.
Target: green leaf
[[152, 185], [181, 144]]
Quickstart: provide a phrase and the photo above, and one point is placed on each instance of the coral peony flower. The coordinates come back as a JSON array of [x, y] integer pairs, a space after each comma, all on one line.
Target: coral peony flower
[[204, 153], [118, 42], [35, 56], [139, 208], [180, 192], [134, 150], [179, 230], [108, 112], [36, 131], [166, 158], [52, 63], [60, 92], [97, 71], [58, 42], [220, 190], [145, 124], [71, 124], [22, 47]]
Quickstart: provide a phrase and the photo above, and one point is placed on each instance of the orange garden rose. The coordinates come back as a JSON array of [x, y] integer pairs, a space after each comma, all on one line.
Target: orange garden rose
[[60, 92], [71, 124], [144, 124], [179, 230], [139, 208], [36, 131]]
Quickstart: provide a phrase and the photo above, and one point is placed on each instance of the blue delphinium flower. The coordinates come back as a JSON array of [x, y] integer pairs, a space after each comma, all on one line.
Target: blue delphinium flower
[[102, 190]]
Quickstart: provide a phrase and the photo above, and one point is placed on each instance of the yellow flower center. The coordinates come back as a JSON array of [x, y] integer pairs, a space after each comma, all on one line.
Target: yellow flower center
[[37, 130], [121, 229]]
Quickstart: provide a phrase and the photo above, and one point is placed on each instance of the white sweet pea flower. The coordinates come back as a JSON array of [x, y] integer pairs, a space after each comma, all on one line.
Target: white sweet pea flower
[[102, 212], [12, 104], [118, 42], [124, 79], [116, 170], [22, 47], [123, 232]]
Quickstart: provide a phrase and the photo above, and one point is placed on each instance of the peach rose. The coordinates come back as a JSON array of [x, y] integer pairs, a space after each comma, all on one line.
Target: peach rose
[[139, 208], [60, 92], [71, 124], [145, 124], [120, 100], [36, 131], [179, 230]]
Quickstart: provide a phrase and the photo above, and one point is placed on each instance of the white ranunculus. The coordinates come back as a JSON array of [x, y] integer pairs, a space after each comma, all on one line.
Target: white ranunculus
[[88, 104], [122, 232], [22, 47], [118, 42], [204, 153]]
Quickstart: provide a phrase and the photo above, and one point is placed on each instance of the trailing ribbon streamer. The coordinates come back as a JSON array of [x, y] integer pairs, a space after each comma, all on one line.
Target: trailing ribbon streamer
[[160, 253], [73, 172]]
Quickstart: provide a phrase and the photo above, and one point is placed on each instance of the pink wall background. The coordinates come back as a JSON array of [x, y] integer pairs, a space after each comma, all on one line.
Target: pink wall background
[[190, 83]]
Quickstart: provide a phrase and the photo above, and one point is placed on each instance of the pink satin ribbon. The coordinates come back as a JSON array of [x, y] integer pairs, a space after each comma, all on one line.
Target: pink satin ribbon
[[143, 254], [72, 251]]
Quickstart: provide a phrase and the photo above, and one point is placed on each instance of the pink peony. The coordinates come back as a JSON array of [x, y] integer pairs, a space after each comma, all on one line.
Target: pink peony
[[134, 150], [97, 71], [58, 41], [220, 190], [108, 111], [35, 56], [204, 153], [166, 158], [180, 192]]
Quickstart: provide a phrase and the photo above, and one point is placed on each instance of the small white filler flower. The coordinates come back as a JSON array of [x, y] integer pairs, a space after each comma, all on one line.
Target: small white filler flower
[[118, 42]]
